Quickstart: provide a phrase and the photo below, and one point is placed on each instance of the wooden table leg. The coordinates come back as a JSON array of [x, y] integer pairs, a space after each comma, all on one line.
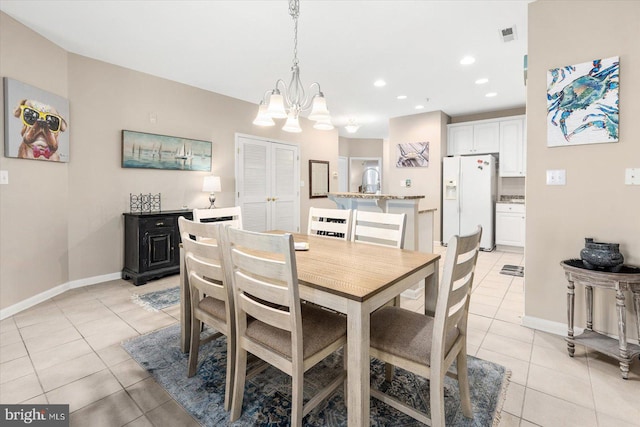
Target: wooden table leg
[[571, 347], [358, 363], [588, 295], [431, 284], [185, 306], [636, 306], [622, 333]]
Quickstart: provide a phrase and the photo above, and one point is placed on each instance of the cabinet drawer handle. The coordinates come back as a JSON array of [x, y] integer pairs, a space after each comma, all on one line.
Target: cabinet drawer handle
[[159, 224]]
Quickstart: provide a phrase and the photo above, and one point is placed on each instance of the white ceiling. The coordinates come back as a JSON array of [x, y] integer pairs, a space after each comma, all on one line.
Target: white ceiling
[[240, 48]]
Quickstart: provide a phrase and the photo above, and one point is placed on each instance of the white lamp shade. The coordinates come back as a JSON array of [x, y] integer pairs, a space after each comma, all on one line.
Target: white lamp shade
[[323, 125], [276, 106], [292, 124], [352, 128], [211, 184], [319, 109], [263, 118]]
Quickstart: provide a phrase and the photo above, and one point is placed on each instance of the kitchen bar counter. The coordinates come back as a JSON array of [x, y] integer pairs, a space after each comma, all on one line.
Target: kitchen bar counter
[[372, 196]]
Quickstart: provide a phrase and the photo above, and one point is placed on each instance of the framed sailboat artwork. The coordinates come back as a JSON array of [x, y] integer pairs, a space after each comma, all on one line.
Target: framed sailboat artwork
[[151, 151]]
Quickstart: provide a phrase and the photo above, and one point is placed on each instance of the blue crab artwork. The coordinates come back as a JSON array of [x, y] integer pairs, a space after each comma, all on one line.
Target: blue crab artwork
[[582, 103], [413, 155]]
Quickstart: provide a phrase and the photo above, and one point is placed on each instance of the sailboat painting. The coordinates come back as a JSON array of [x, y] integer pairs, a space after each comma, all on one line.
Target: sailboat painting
[[151, 151]]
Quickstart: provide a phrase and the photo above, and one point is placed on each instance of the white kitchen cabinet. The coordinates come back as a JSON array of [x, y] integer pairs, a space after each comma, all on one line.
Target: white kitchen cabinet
[[510, 224], [513, 148], [481, 137]]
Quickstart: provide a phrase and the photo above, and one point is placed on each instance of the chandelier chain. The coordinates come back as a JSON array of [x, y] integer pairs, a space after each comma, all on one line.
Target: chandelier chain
[[294, 11]]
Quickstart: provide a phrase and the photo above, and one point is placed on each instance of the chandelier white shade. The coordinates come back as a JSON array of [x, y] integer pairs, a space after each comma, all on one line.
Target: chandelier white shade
[[352, 126], [288, 101]]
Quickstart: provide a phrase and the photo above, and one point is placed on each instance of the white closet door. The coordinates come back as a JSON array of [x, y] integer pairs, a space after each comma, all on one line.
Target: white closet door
[[267, 174]]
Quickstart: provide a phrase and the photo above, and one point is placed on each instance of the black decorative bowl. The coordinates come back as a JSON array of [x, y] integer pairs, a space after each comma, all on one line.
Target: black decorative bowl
[[597, 255]]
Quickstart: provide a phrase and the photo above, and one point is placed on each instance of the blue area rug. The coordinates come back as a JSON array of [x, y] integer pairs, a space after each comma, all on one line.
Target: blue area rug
[[158, 300], [267, 396]]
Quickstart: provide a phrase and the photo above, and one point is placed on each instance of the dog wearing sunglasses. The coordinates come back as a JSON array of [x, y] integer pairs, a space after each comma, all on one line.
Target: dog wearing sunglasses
[[42, 125]]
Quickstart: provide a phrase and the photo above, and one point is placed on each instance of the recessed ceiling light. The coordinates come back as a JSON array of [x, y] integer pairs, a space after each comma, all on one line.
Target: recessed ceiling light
[[491, 94], [419, 107], [467, 60], [482, 81], [402, 97], [379, 83]]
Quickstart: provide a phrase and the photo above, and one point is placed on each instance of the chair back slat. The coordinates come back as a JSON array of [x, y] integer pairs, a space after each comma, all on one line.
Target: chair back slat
[[273, 316], [463, 269], [229, 216], [334, 223], [275, 293], [378, 228]]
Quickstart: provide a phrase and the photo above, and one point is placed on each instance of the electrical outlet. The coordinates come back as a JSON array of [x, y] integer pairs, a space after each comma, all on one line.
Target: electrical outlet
[[407, 182], [557, 177], [4, 177], [632, 176]]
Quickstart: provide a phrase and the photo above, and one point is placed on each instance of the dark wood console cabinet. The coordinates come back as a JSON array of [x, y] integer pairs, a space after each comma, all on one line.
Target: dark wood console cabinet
[[151, 245]]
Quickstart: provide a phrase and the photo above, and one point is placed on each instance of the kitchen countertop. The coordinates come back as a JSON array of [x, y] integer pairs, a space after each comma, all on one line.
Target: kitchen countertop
[[511, 199], [374, 196]]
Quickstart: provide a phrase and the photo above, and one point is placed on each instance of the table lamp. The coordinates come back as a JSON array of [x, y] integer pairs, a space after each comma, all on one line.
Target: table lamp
[[211, 184]]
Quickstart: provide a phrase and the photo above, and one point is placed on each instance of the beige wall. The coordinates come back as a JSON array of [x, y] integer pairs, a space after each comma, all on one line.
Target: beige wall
[[489, 115], [63, 222], [431, 127], [595, 202]]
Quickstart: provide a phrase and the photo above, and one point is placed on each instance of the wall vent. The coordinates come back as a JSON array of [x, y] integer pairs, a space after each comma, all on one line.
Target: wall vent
[[508, 34]]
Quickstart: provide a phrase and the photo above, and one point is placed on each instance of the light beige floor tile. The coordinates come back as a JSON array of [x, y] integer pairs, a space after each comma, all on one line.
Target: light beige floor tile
[[171, 414], [55, 338], [12, 351], [148, 394], [74, 298], [113, 355], [486, 300], [519, 368], [515, 399], [145, 321], [508, 420], [482, 310], [20, 389], [174, 311], [42, 313], [107, 323], [510, 330], [525, 423], [490, 292], [475, 337], [545, 339], [117, 409], [38, 400], [605, 420], [15, 368], [555, 383], [507, 346], [129, 372], [614, 396], [10, 336], [559, 360], [479, 323], [142, 421], [85, 391], [472, 349], [45, 328], [507, 314], [94, 311], [546, 410], [61, 353], [111, 337], [119, 302], [7, 325], [70, 371]]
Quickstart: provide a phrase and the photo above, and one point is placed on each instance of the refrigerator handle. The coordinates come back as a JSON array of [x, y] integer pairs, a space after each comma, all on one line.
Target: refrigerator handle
[[460, 185]]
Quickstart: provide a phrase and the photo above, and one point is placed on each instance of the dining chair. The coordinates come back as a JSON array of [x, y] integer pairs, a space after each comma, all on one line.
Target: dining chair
[[290, 336], [211, 294], [231, 216], [329, 223], [425, 345], [379, 228]]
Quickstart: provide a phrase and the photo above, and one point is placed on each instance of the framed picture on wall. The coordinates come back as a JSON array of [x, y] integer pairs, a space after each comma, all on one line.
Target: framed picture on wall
[[582, 103], [151, 151], [412, 155], [36, 123]]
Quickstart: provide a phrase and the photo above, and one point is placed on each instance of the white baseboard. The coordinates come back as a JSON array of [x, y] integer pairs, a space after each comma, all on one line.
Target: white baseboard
[[415, 292], [50, 293], [556, 328]]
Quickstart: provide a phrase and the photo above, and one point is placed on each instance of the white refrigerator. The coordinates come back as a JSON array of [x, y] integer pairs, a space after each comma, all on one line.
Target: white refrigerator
[[468, 197]]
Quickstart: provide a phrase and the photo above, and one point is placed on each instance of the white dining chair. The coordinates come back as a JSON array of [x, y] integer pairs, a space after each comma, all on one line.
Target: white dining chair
[[378, 228], [334, 223], [231, 216], [211, 294], [427, 346], [290, 336]]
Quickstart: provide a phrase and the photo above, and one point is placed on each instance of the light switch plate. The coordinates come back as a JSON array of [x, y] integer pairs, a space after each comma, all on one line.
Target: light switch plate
[[556, 177], [4, 177], [632, 176]]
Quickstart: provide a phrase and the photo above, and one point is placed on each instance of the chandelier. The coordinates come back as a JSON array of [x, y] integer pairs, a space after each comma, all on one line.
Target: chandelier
[[287, 101]]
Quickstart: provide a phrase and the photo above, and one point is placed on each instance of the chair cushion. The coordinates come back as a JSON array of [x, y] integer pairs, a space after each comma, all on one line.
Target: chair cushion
[[319, 329], [406, 334], [214, 307]]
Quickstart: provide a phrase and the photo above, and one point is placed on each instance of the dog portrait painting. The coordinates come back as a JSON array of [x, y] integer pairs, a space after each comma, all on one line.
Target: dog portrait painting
[[36, 123]]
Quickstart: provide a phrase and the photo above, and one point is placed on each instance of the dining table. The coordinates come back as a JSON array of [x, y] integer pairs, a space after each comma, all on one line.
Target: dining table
[[353, 278]]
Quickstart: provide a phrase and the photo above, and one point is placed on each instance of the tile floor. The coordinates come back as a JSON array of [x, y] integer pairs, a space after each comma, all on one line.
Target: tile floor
[[67, 350]]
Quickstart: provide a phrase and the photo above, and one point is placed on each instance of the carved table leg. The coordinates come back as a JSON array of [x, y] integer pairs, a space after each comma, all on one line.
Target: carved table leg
[[571, 347], [622, 332], [636, 305], [588, 294]]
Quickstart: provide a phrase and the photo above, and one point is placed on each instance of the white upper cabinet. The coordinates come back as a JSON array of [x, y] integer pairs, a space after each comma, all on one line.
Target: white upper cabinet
[[513, 150], [481, 137]]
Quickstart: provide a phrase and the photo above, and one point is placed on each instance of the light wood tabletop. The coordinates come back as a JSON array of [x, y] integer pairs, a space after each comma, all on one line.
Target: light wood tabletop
[[354, 279]]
